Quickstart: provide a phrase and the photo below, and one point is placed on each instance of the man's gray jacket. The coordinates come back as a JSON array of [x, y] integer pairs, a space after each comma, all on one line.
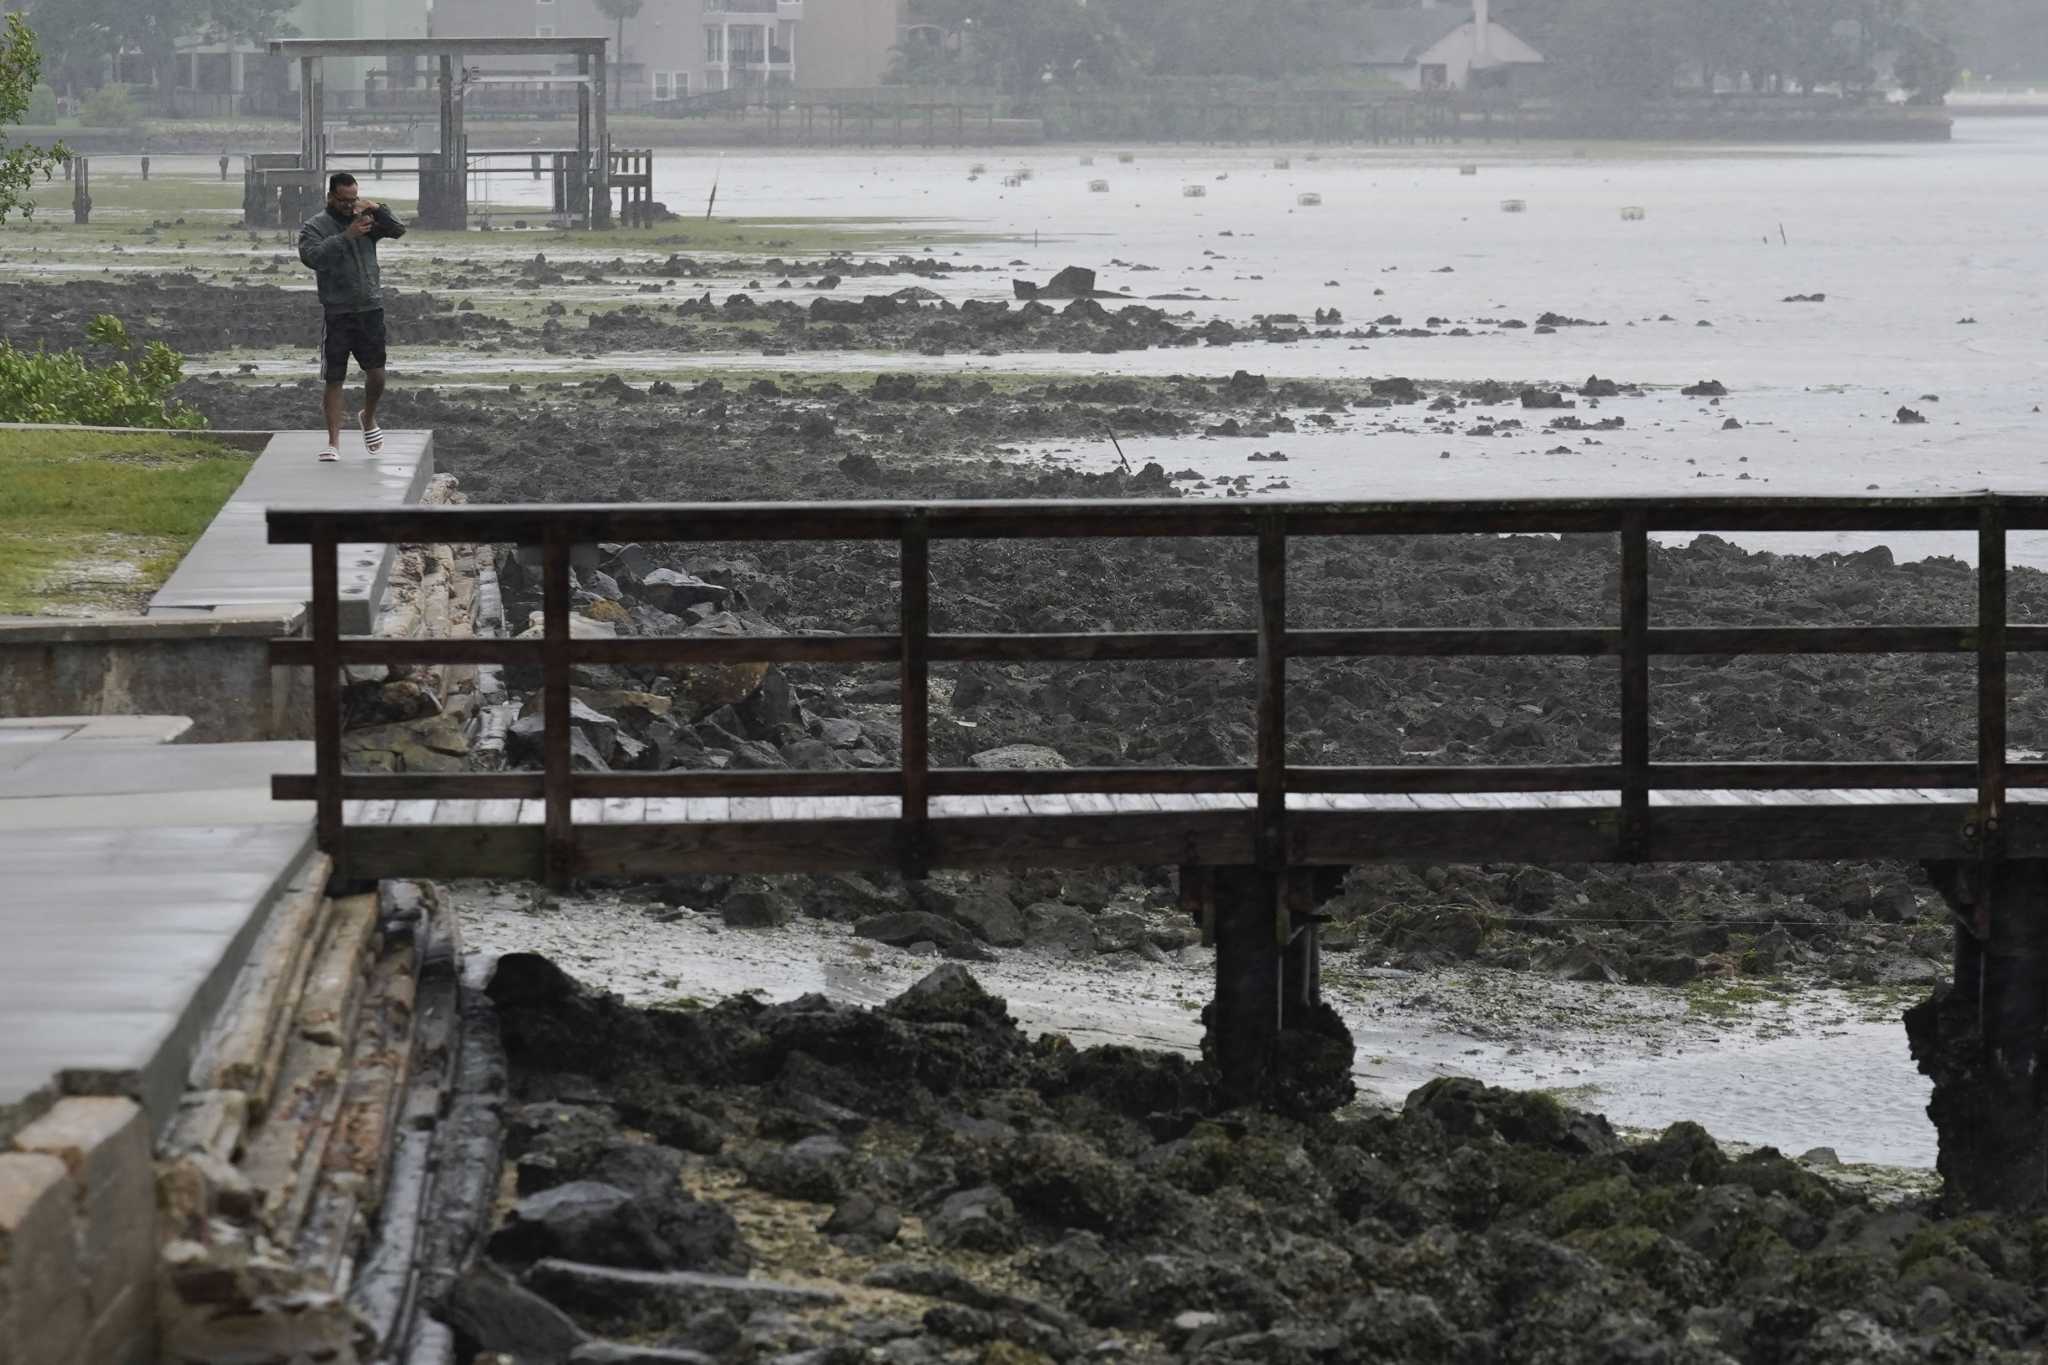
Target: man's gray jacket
[[345, 266]]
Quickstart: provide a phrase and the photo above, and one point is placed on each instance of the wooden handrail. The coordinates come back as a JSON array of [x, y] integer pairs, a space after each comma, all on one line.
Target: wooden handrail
[[1271, 779], [1116, 517]]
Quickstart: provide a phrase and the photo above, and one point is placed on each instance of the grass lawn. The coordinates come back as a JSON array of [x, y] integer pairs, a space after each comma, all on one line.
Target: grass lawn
[[92, 524]]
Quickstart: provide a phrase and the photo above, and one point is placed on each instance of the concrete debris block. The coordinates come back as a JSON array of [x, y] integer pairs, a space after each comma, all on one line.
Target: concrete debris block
[[279, 1330], [332, 993], [1023, 757], [295, 1135], [208, 1121], [104, 1143], [611, 1299], [43, 1306], [247, 1048], [194, 1189]]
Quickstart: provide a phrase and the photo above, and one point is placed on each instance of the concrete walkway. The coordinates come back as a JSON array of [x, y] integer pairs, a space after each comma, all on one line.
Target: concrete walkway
[[134, 875], [234, 564]]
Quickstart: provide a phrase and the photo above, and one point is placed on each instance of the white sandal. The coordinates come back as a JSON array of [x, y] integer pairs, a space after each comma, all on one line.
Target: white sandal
[[329, 455], [373, 439]]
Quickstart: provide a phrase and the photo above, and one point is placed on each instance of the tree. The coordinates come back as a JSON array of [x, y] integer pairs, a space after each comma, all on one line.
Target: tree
[[21, 65], [621, 10], [1925, 67], [1617, 53], [1018, 46], [80, 34]]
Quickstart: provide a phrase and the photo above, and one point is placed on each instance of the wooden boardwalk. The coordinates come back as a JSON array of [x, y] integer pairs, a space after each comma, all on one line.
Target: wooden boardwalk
[[1249, 841], [1272, 814], [666, 835]]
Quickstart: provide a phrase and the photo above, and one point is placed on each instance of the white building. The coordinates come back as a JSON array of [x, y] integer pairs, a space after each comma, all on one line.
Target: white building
[[1442, 47], [671, 50]]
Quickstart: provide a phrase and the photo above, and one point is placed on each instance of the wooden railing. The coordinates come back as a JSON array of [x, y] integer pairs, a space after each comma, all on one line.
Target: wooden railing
[[913, 648]]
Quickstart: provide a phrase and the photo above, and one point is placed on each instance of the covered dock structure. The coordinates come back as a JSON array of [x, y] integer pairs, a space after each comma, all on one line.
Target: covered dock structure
[[280, 187]]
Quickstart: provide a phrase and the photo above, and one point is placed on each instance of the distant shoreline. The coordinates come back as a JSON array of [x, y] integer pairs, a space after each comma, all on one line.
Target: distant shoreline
[[1672, 121]]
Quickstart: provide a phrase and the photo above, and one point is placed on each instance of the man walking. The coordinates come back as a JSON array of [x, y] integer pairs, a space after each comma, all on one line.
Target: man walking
[[339, 245]]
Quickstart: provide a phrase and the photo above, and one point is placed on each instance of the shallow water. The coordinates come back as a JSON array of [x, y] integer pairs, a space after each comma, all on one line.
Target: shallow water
[[1904, 241], [1797, 1075]]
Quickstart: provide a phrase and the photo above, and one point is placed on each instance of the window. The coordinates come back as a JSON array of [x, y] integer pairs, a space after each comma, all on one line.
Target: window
[[1435, 76], [545, 4], [714, 44], [664, 85]]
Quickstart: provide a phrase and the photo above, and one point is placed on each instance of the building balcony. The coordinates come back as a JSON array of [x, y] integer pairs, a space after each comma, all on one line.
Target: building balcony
[[783, 11]]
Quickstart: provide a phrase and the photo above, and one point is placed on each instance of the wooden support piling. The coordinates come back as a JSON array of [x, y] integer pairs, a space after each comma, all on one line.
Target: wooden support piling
[[555, 682], [915, 693]]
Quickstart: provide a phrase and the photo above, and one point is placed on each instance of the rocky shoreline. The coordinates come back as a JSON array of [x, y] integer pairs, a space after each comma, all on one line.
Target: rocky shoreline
[[810, 1183]]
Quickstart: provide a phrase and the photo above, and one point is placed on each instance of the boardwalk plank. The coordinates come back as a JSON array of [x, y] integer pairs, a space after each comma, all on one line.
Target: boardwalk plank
[[497, 812], [376, 812], [455, 813], [413, 813], [624, 810], [708, 809]]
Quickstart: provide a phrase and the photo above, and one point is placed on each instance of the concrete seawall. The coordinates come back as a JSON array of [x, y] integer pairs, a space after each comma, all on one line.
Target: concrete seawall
[[214, 669]]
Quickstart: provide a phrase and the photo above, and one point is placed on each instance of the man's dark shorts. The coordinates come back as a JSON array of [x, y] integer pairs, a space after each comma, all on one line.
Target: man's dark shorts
[[351, 334]]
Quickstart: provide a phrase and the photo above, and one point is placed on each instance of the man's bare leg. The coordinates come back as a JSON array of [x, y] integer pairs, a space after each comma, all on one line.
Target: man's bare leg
[[373, 391], [332, 406]]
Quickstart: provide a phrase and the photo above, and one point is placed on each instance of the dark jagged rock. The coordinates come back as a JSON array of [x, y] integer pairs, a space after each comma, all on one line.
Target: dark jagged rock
[[492, 1313], [1473, 1223], [980, 1219], [586, 1220], [902, 928], [612, 1299]]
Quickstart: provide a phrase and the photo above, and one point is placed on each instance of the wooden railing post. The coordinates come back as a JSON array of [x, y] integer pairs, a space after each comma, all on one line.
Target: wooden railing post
[[1635, 685], [1271, 846], [915, 575], [561, 830], [1991, 688], [327, 821]]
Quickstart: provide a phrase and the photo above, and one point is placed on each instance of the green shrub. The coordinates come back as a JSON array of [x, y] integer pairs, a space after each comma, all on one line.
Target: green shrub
[[66, 387], [110, 106], [42, 107]]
